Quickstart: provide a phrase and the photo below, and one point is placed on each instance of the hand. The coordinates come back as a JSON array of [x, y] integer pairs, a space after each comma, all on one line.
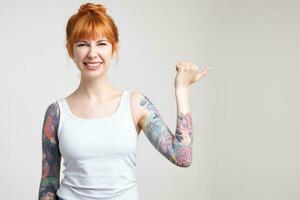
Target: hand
[[187, 74]]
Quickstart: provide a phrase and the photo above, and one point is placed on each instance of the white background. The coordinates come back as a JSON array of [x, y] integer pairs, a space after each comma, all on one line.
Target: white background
[[245, 111]]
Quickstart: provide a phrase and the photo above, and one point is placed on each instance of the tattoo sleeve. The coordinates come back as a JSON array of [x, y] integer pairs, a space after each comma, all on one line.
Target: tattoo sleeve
[[176, 148], [51, 156]]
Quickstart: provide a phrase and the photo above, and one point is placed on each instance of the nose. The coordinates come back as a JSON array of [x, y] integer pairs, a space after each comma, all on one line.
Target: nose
[[92, 52]]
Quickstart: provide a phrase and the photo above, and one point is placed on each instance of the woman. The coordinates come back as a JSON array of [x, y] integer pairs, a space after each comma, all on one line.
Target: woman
[[96, 127]]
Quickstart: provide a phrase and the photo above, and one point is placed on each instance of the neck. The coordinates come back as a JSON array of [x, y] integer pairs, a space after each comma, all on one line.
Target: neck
[[97, 89]]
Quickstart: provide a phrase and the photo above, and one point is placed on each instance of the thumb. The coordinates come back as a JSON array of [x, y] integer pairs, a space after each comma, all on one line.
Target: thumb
[[201, 73], [198, 76]]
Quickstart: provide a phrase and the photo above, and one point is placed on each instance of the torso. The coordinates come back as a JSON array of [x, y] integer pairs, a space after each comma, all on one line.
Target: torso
[[91, 110]]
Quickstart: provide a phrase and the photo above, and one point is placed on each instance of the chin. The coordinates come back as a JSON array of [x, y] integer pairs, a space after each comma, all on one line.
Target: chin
[[93, 74]]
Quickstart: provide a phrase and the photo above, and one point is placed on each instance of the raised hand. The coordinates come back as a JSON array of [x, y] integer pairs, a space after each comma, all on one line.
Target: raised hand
[[188, 73]]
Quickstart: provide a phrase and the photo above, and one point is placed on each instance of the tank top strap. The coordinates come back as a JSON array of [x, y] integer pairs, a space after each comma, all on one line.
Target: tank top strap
[[122, 107], [123, 99], [124, 104]]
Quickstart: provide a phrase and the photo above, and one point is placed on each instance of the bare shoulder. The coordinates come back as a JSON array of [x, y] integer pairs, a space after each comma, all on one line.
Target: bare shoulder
[[53, 112], [137, 98], [51, 121]]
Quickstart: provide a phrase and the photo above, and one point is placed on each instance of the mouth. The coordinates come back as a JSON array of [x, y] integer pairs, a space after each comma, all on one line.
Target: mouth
[[92, 65]]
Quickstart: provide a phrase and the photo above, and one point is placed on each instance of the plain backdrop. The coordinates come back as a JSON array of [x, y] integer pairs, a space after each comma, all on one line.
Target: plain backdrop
[[245, 111]]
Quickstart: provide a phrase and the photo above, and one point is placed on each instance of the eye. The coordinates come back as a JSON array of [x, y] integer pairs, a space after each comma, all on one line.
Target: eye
[[79, 45]]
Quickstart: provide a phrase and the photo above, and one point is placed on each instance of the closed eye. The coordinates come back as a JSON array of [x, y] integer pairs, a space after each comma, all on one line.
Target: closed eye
[[86, 44]]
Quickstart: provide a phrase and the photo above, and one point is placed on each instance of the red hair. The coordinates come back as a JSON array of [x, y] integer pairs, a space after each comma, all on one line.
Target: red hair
[[91, 22]]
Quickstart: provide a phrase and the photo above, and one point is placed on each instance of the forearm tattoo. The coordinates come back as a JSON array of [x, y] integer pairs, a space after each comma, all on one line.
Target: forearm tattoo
[[51, 155], [178, 148]]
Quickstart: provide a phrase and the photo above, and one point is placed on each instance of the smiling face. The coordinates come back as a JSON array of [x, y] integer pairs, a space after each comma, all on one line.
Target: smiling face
[[92, 57]]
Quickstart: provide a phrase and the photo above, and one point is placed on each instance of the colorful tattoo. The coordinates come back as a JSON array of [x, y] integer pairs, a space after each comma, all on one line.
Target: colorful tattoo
[[51, 155], [178, 148]]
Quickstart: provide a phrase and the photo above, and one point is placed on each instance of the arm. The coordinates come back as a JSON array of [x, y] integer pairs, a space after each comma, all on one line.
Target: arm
[[51, 154], [177, 147]]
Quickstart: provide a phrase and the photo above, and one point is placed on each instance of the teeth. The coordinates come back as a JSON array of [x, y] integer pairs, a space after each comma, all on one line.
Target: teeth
[[92, 65]]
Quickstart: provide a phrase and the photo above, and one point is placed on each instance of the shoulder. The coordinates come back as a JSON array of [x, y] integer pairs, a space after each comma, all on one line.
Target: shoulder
[[141, 106], [136, 96], [52, 109], [138, 101], [52, 114]]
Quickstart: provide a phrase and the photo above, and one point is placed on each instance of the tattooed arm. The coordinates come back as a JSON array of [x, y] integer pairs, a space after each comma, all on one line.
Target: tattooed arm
[[177, 147], [51, 155]]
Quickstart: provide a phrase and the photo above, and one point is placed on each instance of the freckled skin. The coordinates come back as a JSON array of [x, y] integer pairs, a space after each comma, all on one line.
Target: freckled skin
[[178, 148], [51, 156]]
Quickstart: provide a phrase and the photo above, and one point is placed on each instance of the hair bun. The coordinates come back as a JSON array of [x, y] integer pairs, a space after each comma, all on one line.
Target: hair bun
[[91, 8]]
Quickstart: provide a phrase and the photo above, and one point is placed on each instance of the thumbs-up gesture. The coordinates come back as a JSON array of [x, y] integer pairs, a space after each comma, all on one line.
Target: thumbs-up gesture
[[187, 74]]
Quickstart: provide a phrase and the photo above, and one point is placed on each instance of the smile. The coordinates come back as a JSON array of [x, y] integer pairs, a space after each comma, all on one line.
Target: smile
[[92, 66]]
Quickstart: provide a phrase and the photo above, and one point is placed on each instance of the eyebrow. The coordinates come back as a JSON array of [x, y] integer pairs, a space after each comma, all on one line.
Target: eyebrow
[[97, 41]]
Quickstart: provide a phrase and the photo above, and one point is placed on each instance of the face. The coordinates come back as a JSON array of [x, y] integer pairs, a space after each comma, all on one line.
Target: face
[[92, 57]]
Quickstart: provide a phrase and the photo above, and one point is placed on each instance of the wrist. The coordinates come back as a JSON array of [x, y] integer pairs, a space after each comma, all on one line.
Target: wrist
[[181, 90], [182, 100]]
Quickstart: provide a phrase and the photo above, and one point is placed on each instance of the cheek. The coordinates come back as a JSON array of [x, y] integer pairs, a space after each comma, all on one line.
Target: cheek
[[108, 55], [106, 51], [103, 51], [79, 55]]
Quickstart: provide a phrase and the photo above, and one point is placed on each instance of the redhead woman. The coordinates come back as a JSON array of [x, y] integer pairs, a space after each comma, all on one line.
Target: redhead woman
[[96, 127]]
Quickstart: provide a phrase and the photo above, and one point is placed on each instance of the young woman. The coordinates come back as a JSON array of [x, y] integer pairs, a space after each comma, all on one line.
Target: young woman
[[96, 127]]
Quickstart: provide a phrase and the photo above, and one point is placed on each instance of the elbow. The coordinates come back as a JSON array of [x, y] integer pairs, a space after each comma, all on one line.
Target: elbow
[[184, 157], [184, 162], [184, 165]]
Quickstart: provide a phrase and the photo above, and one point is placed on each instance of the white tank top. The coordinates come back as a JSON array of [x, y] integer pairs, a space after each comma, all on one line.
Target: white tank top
[[99, 154]]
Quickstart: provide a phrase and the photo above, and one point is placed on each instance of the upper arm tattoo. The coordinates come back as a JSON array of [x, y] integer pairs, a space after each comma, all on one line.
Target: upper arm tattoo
[[178, 148], [51, 154]]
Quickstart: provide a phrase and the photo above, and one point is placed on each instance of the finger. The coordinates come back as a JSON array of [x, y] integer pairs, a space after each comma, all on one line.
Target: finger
[[179, 68], [201, 74], [206, 69], [191, 63], [195, 68]]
